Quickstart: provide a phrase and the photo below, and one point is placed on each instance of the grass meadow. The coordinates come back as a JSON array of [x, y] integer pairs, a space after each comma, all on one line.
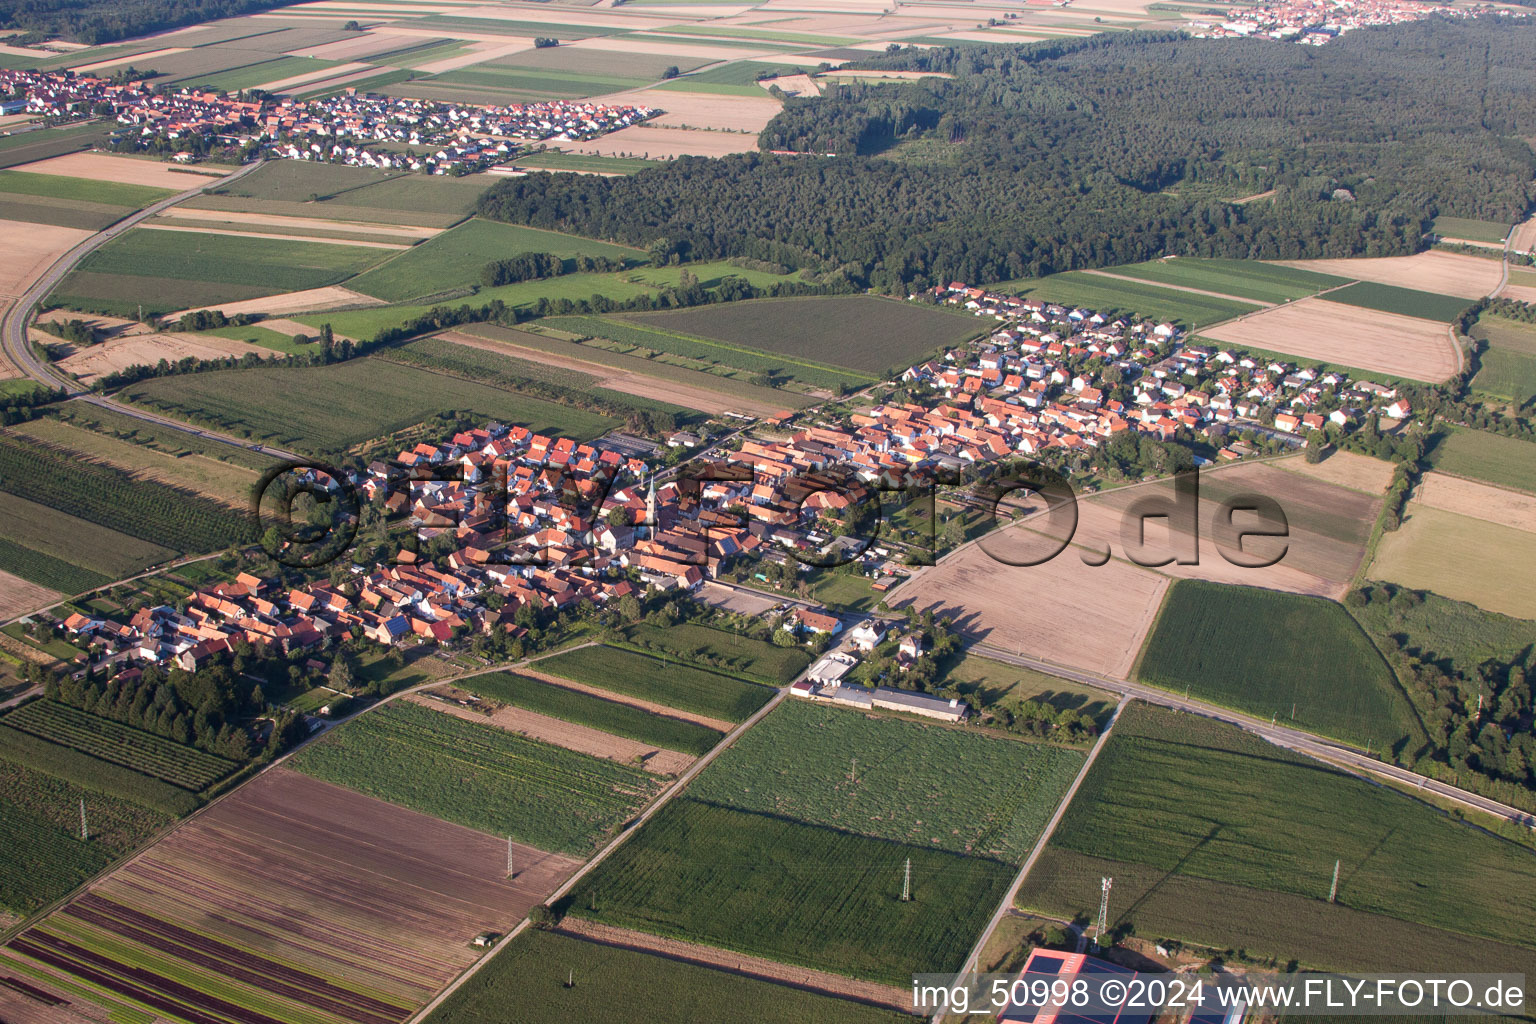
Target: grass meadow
[[892, 778], [685, 687], [455, 258], [1462, 557], [1273, 828], [1491, 458], [585, 709], [1245, 279], [1404, 301], [331, 408], [1267, 652], [695, 644], [868, 334], [1472, 230], [480, 777], [1148, 301], [771, 887]]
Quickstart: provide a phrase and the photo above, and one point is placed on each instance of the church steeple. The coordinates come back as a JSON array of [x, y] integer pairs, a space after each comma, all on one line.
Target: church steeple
[[650, 507]]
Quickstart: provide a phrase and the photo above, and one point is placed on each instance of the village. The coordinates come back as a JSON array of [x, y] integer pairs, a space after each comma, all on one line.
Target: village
[[1315, 22], [359, 130], [508, 524]]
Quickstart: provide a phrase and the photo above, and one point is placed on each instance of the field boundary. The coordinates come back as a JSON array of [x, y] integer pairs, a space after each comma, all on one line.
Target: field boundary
[[1045, 837]]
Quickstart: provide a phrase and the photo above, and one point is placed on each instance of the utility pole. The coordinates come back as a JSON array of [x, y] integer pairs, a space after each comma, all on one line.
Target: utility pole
[[85, 834], [1098, 935], [906, 883], [1333, 890]]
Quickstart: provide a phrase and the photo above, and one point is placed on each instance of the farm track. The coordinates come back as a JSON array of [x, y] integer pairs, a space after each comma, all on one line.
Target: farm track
[[742, 964], [17, 348], [1182, 288]]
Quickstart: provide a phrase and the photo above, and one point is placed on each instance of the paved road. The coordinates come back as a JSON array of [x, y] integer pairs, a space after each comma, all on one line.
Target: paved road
[[13, 330], [1280, 735]]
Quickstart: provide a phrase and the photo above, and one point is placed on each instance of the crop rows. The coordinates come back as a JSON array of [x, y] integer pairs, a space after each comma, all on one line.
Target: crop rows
[[480, 777], [110, 497], [81, 769], [680, 686], [894, 779], [717, 648], [585, 709], [702, 349], [765, 886], [180, 765], [41, 855], [47, 571]]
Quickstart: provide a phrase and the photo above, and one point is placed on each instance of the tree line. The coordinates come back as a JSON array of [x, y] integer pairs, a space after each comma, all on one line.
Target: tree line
[[1097, 151]]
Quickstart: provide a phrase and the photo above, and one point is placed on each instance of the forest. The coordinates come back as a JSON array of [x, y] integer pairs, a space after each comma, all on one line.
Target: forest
[[106, 21], [1096, 151]]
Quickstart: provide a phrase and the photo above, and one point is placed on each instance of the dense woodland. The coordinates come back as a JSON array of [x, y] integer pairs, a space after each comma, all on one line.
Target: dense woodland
[[1096, 151], [105, 21]]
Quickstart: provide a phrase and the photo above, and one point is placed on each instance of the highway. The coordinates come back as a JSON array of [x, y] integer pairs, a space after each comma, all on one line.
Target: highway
[[13, 329]]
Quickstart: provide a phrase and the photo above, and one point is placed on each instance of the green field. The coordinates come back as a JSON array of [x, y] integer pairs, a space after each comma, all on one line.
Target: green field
[[1492, 458], [865, 333], [1300, 659], [331, 408], [551, 160], [47, 570], [1472, 230], [989, 682], [455, 258], [161, 439], [701, 353], [180, 765], [41, 855], [1272, 830], [770, 887], [1511, 335], [169, 519], [891, 778], [1106, 295], [684, 687], [285, 187], [171, 270], [549, 83], [1506, 374], [1245, 279], [695, 644], [26, 147], [1404, 301], [1460, 635], [480, 776], [253, 75], [525, 984], [539, 341], [89, 190], [585, 709]]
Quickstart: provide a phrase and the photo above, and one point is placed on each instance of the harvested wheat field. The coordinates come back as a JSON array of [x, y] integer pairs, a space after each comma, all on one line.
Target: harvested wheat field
[[310, 300], [700, 49], [1063, 611], [1478, 500], [356, 48], [1445, 273], [580, 738], [26, 250], [124, 170], [793, 85], [1524, 239], [1331, 332], [18, 597], [702, 110], [308, 900], [148, 349], [1519, 292], [653, 143], [1461, 557], [1344, 469]]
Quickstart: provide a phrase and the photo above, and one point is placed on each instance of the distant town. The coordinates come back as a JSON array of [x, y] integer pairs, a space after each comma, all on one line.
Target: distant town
[[359, 130], [1315, 22]]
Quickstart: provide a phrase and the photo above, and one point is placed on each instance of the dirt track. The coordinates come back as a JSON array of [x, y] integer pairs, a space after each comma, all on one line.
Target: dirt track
[[580, 738], [741, 963], [657, 388]]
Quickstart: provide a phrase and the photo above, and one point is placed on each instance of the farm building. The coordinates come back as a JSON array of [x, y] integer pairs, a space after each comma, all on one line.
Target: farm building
[[886, 698]]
